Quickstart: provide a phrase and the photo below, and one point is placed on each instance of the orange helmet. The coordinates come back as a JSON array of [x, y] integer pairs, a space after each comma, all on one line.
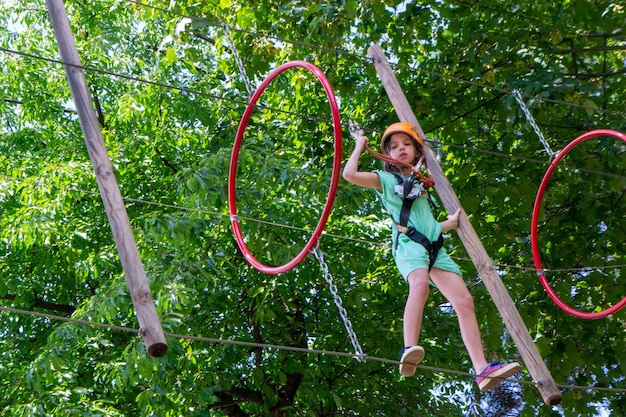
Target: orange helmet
[[400, 127]]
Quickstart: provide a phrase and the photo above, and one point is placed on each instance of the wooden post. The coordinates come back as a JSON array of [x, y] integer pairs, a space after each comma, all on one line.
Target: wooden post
[[149, 323], [511, 317]]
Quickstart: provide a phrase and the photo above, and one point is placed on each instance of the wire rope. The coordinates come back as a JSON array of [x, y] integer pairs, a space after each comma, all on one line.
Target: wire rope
[[365, 58], [284, 348], [345, 53], [333, 235], [314, 118]]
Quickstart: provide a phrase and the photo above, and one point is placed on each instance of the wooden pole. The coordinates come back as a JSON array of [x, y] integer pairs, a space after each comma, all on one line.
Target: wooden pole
[[149, 323], [511, 317]]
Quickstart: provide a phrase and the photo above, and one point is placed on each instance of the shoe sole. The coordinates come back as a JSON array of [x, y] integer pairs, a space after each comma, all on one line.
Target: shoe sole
[[410, 359], [499, 375]]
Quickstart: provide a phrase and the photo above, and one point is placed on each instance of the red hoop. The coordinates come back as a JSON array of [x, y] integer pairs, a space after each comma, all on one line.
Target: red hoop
[[333, 182], [535, 220]]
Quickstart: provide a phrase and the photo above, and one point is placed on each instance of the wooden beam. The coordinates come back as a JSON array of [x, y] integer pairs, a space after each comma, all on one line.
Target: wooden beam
[[487, 271], [149, 323]]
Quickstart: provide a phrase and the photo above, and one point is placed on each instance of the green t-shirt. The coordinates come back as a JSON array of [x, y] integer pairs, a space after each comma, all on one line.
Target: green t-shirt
[[408, 254]]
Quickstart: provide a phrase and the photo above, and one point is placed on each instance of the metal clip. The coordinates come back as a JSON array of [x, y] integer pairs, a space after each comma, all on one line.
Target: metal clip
[[355, 129]]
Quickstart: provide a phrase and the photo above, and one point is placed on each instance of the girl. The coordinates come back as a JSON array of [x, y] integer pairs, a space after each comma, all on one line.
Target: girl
[[417, 249]]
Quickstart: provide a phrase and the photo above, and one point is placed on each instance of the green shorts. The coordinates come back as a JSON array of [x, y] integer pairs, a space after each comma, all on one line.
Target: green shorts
[[410, 255]]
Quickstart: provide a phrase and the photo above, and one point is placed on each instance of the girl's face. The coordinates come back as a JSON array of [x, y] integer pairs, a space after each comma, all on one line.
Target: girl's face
[[402, 148]]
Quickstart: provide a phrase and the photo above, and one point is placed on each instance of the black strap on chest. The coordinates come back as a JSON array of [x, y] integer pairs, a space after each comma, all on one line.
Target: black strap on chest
[[403, 225]]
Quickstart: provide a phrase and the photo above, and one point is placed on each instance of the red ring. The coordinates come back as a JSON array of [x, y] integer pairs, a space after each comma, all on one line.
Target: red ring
[[535, 220], [333, 182]]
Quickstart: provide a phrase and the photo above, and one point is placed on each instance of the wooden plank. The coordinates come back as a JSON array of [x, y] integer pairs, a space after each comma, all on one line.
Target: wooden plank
[[149, 323], [502, 299]]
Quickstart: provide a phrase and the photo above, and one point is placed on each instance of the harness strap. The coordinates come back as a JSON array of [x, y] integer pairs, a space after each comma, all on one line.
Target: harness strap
[[432, 248], [404, 214]]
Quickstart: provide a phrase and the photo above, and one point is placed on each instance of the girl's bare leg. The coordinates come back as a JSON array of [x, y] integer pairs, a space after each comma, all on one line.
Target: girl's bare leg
[[455, 291], [419, 288]]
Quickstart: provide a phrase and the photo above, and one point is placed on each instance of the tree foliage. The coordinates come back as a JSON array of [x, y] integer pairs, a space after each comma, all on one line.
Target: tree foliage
[[169, 93]]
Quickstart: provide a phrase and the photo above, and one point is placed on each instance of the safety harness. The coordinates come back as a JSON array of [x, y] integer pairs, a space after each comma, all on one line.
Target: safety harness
[[409, 193]]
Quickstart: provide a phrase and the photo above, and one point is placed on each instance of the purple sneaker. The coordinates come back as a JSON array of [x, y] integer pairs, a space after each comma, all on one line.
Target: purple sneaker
[[495, 373], [411, 356]]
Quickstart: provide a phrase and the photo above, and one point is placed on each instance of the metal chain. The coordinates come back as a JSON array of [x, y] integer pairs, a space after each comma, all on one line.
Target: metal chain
[[242, 69], [531, 120], [360, 356]]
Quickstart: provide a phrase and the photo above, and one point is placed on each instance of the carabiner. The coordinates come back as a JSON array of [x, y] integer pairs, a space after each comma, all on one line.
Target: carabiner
[[355, 129]]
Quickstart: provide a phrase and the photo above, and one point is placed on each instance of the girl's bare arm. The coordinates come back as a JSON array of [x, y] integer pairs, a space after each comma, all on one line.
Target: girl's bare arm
[[452, 222], [351, 171]]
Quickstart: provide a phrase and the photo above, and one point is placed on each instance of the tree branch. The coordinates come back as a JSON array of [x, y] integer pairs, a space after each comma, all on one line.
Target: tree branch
[[228, 406], [98, 107], [59, 308], [615, 33], [573, 50], [287, 392], [165, 161], [600, 75]]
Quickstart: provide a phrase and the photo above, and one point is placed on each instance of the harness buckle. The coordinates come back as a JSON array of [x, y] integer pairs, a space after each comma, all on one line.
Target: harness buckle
[[414, 193], [402, 229]]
